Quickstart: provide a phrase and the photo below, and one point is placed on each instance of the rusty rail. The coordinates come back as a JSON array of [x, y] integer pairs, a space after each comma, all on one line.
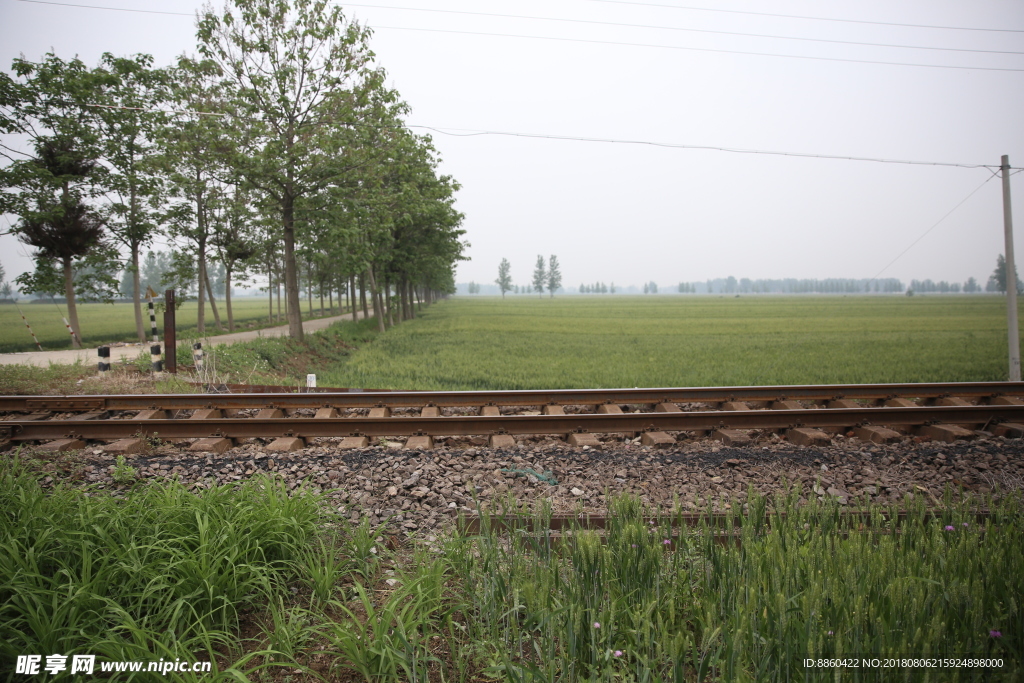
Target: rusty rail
[[420, 399], [238, 428]]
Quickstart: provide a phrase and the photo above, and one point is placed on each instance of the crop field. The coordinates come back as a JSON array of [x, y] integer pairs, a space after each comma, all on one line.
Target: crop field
[[108, 323], [604, 342]]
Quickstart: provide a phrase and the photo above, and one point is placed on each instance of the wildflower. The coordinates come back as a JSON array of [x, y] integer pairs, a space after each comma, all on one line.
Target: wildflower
[[995, 634], [618, 653], [830, 632], [949, 527], [632, 545], [667, 541], [965, 524], [597, 624]]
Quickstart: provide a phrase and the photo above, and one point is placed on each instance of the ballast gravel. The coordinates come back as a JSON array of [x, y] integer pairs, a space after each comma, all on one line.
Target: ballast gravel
[[412, 490]]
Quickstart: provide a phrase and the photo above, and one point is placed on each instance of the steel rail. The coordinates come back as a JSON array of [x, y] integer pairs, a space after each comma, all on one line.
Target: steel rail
[[421, 399], [239, 428]]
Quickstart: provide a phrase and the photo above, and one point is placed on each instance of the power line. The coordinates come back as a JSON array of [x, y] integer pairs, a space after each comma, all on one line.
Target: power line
[[697, 49], [798, 16], [679, 28], [112, 9], [601, 42], [936, 224], [472, 132], [465, 132]]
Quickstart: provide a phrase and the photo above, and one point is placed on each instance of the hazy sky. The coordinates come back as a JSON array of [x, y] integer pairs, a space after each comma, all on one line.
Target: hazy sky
[[631, 213]]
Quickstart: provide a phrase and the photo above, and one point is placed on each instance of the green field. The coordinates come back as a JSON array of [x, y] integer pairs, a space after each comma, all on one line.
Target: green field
[[108, 323], [582, 342]]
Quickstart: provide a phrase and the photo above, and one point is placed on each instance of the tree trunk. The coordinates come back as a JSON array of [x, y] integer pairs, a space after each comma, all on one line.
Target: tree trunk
[[270, 293], [412, 301], [309, 287], [330, 301], [386, 298], [227, 298], [69, 294], [362, 295], [213, 303], [403, 299], [291, 282], [352, 297], [140, 330], [201, 317], [378, 311]]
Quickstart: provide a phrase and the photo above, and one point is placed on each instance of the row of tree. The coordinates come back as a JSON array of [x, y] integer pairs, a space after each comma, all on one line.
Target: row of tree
[[545, 276], [278, 151]]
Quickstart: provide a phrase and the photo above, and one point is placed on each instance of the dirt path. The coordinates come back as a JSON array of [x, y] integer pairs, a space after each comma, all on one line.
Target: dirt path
[[132, 351]]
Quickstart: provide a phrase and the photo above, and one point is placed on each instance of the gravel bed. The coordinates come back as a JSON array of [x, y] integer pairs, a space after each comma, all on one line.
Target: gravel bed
[[425, 490]]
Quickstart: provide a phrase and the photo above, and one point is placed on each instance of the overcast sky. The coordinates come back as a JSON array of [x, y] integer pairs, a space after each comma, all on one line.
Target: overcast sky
[[631, 213]]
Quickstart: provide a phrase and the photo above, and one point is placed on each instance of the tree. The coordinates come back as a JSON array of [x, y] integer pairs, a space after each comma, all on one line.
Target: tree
[[971, 286], [540, 276], [192, 156], [504, 280], [55, 188], [303, 80], [131, 90], [997, 280], [554, 276]]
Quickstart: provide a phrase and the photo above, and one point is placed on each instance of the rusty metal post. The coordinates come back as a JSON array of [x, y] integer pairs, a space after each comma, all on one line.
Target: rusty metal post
[[170, 336]]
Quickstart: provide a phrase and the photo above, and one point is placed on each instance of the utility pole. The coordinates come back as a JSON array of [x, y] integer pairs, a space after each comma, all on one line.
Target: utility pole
[[1012, 335]]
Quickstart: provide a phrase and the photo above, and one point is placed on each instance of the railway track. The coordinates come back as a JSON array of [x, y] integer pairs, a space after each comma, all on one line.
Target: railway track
[[804, 414]]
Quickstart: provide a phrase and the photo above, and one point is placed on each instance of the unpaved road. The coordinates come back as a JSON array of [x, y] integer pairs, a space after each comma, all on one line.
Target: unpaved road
[[132, 351]]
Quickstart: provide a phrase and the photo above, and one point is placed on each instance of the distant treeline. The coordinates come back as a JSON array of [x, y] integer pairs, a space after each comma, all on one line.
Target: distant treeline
[[731, 285]]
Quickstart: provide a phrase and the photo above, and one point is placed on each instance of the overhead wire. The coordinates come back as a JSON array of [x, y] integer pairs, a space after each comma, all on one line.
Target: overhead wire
[[469, 132], [602, 42], [679, 28], [799, 16], [936, 224]]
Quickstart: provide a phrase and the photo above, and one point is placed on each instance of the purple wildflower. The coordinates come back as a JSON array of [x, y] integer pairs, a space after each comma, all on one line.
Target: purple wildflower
[[597, 624], [667, 541], [949, 527], [618, 653], [995, 634], [830, 632], [965, 524]]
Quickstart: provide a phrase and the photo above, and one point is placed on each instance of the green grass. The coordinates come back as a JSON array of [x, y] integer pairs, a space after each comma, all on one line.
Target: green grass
[[162, 572], [630, 607], [108, 323], [253, 576], [589, 342]]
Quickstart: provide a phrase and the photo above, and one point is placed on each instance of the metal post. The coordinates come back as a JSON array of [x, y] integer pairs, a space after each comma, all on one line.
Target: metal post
[[1012, 333], [152, 320], [104, 354], [155, 360], [170, 337]]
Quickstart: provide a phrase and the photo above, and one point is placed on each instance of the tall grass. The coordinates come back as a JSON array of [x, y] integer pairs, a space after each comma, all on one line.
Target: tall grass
[[163, 572], [651, 603]]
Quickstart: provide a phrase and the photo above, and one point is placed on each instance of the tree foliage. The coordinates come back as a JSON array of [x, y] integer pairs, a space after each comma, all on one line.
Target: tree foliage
[[504, 280]]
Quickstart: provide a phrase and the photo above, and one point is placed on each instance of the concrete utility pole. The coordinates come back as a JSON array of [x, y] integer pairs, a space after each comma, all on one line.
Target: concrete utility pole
[[1012, 334]]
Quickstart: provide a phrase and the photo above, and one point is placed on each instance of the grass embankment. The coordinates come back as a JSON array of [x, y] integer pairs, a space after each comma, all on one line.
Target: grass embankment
[[589, 342], [250, 577], [110, 323]]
